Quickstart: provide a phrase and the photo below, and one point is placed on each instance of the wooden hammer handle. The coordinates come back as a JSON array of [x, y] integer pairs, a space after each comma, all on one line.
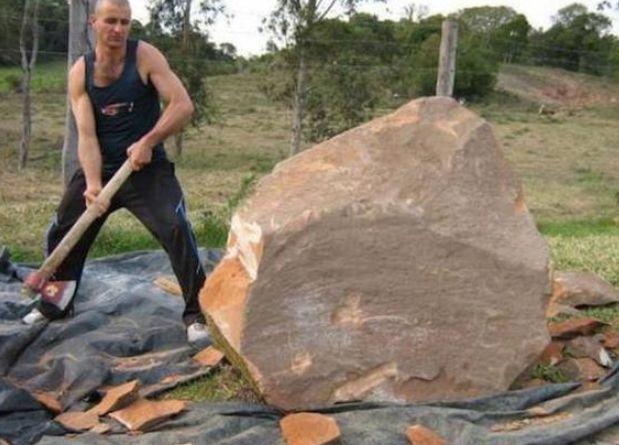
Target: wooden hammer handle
[[69, 241]]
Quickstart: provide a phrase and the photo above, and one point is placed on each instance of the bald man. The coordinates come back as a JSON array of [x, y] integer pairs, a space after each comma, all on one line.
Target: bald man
[[115, 93]]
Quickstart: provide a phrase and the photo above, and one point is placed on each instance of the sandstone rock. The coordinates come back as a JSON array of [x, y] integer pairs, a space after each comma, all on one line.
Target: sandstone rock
[[582, 289], [309, 429], [117, 398], [101, 428], [144, 414], [394, 262], [78, 421], [533, 383], [420, 435], [556, 310], [209, 356], [581, 369], [581, 347], [553, 353], [49, 401], [611, 339], [573, 327]]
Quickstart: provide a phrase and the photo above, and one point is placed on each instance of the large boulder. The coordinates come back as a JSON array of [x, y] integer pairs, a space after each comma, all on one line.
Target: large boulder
[[395, 262]]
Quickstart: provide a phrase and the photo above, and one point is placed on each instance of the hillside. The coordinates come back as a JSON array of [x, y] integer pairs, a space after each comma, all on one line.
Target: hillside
[[557, 87]]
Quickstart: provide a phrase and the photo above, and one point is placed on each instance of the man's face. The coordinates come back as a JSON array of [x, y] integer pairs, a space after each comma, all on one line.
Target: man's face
[[112, 24]]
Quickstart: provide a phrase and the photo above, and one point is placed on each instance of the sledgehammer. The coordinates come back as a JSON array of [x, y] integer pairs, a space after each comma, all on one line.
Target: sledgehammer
[[35, 282]]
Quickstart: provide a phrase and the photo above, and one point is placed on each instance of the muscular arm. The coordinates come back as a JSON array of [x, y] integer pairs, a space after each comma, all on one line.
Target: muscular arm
[[88, 150], [179, 108]]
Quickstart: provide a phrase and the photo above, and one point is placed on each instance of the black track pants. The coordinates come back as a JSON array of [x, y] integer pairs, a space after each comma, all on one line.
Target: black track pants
[[154, 196]]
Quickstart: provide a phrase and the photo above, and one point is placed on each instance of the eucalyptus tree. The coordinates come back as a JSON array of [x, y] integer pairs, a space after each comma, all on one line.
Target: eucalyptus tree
[[293, 22], [179, 28], [29, 48]]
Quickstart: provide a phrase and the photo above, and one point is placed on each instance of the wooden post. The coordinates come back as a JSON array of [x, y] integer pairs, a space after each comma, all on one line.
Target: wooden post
[[81, 40], [447, 59]]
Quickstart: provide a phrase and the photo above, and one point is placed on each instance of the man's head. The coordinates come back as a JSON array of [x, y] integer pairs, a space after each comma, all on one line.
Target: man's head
[[112, 22]]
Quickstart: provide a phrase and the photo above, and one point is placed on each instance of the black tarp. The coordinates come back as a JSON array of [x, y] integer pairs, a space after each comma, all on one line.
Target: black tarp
[[125, 327]]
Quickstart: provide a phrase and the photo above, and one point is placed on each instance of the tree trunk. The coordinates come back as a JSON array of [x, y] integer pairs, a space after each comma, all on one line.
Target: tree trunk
[[186, 24], [80, 41], [27, 68], [299, 105], [177, 151], [300, 96], [178, 145], [24, 144]]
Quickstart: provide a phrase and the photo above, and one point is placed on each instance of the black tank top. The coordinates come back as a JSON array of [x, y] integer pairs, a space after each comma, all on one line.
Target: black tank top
[[124, 111]]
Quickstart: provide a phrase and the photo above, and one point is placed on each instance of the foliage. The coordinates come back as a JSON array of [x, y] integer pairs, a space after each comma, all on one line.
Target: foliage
[[212, 229], [53, 29], [476, 65], [577, 41], [501, 29], [354, 66], [347, 88], [297, 24], [549, 373], [187, 47]]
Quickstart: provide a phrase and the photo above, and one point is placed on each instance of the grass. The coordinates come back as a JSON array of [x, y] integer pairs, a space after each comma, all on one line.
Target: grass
[[591, 245], [49, 77], [224, 385], [606, 314], [549, 373], [567, 164]]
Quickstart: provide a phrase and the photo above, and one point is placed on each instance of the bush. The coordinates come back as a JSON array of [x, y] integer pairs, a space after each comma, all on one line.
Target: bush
[[476, 68]]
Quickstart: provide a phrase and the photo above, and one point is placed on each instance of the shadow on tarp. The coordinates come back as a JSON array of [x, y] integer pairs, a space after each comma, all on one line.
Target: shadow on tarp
[[126, 328]]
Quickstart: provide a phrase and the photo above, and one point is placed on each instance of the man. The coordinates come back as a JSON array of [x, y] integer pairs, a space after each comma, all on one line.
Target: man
[[114, 93]]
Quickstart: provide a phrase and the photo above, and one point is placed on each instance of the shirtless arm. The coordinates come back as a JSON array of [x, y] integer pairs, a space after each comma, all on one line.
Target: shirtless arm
[[177, 112], [88, 150]]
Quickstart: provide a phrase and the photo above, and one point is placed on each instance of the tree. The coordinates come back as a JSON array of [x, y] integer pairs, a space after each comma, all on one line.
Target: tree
[[511, 39], [53, 29], [486, 19], [500, 28], [177, 31], [414, 12], [80, 41], [476, 65], [578, 41], [294, 22], [29, 29]]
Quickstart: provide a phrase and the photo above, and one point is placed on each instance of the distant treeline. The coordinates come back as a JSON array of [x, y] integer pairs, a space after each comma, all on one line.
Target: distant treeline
[[349, 65], [53, 25], [578, 40]]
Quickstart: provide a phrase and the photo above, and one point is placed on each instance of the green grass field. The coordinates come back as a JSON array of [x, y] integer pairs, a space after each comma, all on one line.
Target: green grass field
[[568, 165]]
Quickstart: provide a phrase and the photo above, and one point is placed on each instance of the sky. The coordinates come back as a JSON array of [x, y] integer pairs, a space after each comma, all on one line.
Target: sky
[[242, 28]]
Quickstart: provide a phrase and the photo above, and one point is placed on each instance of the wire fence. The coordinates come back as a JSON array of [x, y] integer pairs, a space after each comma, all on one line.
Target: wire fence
[[398, 62]]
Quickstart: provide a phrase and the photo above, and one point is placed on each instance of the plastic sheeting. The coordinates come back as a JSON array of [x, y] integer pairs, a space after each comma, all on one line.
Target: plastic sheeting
[[126, 328]]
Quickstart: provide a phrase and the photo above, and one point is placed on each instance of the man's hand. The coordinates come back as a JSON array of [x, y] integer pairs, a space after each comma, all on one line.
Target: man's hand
[[139, 155], [91, 195]]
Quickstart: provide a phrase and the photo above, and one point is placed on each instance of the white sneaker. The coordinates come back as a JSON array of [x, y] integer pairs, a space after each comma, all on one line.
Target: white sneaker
[[198, 333], [33, 317]]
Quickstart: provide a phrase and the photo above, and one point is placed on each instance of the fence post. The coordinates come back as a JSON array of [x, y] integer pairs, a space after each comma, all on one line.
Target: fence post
[[447, 59], [81, 39]]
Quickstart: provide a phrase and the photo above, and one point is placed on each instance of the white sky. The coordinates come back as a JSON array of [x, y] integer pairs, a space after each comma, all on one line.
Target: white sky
[[242, 29]]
